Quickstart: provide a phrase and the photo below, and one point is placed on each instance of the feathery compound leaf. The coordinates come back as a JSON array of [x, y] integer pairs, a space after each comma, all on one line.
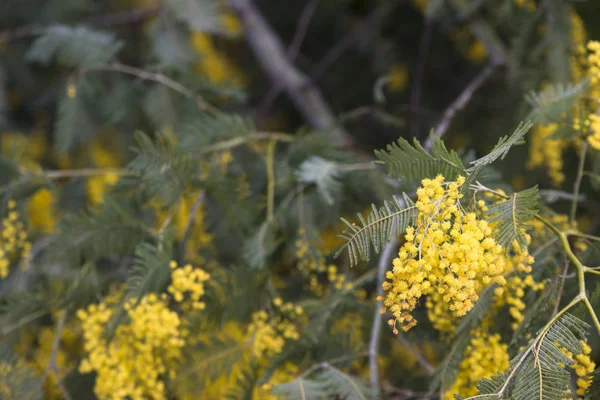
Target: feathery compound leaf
[[511, 215], [109, 229], [209, 359], [503, 146], [17, 380], [446, 373], [160, 167], [341, 385], [552, 101], [199, 15], [260, 246], [324, 174], [74, 47], [301, 389], [407, 162], [593, 391], [205, 129], [150, 271], [378, 229], [73, 123], [538, 371]]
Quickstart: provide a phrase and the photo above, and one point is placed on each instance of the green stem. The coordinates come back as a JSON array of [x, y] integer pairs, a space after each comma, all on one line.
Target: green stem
[[577, 184], [592, 313], [270, 163], [252, 137], [582, 235]]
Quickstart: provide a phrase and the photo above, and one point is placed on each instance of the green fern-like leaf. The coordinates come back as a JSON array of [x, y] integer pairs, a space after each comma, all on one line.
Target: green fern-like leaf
[[74, 46], [150, 271], [593, 391], [18, 381], [244, 385], [412, 162], [324, 174], [447, 371], [501, 148], [205, 129], [109, 229], [538, 371], [341, 385], [260, 246], [301, 389], [210, 359], [511, 216], [378, 229], [74, 124], [165, 171], [552, 101], [199, 15]]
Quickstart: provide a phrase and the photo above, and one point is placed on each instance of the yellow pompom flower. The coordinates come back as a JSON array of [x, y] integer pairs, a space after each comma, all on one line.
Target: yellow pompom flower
[[13, 239], [188, 281], [270, 333], [547, 153], [41, 210], [484, 357]]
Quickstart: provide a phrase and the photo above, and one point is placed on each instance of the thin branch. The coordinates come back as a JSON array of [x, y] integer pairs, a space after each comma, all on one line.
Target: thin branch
[[74, 173], [577, 184], [384, 263], [190, 220], [461, 101], [375, 18], [292, 53], [271, 54], [415, 95], [60, 325], [270, 165], [416, 354], [154, 77], [562, 285], [301, 29], [23, 321]]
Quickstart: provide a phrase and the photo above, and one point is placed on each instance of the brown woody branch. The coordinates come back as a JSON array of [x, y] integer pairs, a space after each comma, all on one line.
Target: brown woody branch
[[271, 54]]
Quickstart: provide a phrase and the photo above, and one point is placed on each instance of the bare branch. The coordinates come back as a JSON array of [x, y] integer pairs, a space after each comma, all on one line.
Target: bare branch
[[415, 95], [384, 263], [270, 52], [461, 101], [155, 77]]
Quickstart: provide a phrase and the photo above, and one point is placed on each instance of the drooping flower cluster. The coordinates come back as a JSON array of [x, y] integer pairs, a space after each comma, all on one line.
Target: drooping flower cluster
[[188, 281], [450, 254], [13, 240], [484, 357], [271, 332]]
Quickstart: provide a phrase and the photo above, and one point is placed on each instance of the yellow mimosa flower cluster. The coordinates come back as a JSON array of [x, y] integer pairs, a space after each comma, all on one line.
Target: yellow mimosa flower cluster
[[484, 357], [271, 332], [142, 353], [41, 210], [312, 264], [146, 350], [583, 367], [190, 281], [547, 153], [13, 240], [451, 254]]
